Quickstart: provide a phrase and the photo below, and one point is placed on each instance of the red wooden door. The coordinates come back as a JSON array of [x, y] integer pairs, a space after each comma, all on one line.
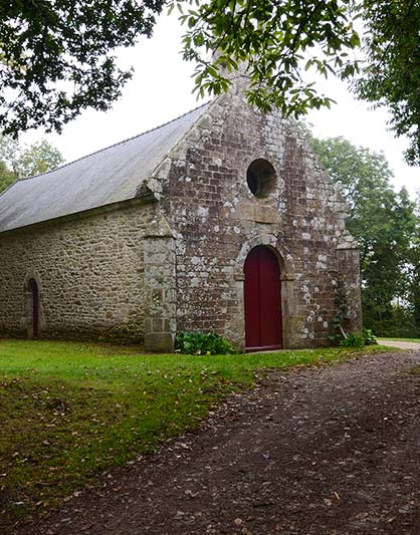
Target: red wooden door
[[33, 289], [262, 296]]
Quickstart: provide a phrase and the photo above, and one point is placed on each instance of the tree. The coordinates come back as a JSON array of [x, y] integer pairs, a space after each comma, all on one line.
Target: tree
[[383, 222], [37, 159], [284, 42], [413, 291], [391, 76], [56, 55], [18, 161], [6, 176]]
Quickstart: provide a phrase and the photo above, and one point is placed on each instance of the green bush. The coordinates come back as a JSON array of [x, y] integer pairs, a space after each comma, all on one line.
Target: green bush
[[370, 338], [359, 340], [353, 340], [195, 343]]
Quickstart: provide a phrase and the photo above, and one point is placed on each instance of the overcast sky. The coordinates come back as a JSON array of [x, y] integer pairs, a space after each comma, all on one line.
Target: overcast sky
[[161, 90]]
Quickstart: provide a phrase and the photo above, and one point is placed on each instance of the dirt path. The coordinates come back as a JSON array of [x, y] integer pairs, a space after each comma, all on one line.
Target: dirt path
[[328, 451]]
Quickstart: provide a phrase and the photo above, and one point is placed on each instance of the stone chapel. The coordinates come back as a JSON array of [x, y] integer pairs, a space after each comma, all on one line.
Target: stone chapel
[[221, 220]]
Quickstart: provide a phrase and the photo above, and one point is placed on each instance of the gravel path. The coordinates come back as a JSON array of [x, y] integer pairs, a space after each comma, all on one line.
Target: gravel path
[[333, 450], [401, 344]]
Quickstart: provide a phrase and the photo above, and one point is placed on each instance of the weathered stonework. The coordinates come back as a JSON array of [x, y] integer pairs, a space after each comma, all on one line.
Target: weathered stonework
[[218, 221], [90, 273], [172, 260], [160, 285]]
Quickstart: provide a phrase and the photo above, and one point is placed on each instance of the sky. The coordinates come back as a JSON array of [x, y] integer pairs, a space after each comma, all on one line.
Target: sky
[[161, 89]]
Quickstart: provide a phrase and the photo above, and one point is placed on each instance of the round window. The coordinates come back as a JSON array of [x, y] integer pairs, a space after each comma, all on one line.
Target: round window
[[261, 178]]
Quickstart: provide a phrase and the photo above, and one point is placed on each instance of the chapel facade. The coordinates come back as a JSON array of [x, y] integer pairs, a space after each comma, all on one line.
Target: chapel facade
[[219, 221]]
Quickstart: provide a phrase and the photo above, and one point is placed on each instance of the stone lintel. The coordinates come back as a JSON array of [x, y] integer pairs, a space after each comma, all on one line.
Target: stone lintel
[[258, 213]]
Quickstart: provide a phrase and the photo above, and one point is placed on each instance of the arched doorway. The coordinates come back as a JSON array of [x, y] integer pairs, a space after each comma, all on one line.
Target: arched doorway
[[33, 308], [262, 299]]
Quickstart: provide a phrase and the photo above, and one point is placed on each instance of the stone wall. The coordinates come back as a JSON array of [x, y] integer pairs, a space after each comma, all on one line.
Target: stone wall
[[160, 285], [217, 220], [90, 272], [349, 290], [145, 270]]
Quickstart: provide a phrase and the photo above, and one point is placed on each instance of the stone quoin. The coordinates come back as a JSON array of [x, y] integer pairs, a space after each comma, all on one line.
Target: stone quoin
[[152, 236]]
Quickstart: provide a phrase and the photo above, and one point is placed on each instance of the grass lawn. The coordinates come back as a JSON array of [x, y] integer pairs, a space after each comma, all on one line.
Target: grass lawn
[[69, 411]]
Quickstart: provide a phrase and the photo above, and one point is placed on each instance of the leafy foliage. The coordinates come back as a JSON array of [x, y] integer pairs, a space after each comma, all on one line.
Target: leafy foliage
[[38, 158], [18, 161], [413, 275], [7, 177], [385, 225], [352, 340], [370, 338], [195, 343], [276, 40], [55, 57], [392, 74], [367, 338], [282, 44]]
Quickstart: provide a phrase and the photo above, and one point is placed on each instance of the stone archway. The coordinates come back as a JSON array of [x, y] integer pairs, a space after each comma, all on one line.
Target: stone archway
[[236, 329]]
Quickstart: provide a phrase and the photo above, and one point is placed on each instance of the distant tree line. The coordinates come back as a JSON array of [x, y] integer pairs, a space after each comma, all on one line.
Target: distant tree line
[[20, 161], [386, 225]]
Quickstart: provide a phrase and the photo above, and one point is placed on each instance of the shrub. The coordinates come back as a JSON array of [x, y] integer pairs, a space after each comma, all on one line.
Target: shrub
[[370, 338], [352, 340], [359, 340], [195, 343]]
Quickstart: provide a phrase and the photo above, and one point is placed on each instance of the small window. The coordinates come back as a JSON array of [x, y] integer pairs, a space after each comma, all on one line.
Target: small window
[[261, 178]]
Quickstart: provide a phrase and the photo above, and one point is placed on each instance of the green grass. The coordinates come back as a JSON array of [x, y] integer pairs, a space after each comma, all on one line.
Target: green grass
[[69, 411]]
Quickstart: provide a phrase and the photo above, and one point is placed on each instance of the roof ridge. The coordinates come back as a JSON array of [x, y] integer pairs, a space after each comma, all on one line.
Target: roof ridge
[[113, 145]]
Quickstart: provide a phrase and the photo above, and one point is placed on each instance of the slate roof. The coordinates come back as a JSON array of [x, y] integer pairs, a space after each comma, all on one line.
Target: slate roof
[[104, 177]]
